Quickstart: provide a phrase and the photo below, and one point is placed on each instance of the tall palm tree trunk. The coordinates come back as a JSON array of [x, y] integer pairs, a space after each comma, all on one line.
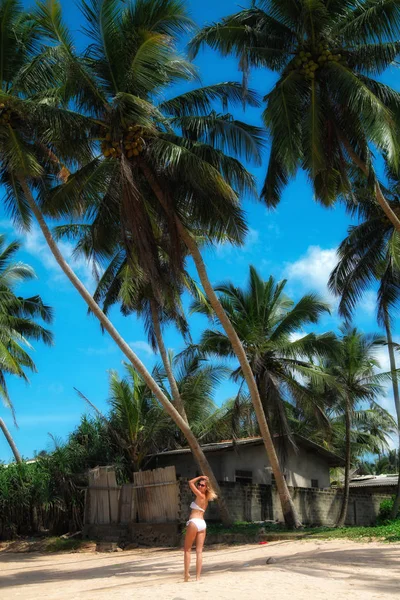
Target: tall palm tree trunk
[[165, 360], [346, 490], [179, 404], [288, 508], [10, 441], [395, 384], [391, 215], [123, 346]]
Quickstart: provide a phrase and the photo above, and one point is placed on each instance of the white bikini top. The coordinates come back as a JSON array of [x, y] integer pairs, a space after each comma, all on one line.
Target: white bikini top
[[194, 506]]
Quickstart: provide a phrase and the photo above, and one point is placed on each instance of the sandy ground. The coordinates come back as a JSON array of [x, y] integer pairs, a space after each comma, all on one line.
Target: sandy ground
[[304, 570]]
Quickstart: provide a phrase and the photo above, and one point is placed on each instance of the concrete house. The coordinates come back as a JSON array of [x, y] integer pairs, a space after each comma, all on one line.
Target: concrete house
[[246, 461]]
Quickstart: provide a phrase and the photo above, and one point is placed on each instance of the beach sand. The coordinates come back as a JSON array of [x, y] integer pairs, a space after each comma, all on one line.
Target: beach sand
[[301, 570]]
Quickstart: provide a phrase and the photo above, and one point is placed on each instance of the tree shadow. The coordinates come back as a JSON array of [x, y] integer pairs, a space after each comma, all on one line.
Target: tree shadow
[[360, 567]]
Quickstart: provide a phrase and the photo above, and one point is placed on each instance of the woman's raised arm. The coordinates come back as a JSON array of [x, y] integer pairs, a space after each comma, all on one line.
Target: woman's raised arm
[[194, 488]]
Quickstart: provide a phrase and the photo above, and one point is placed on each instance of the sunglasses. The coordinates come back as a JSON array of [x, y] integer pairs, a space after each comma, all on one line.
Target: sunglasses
[[201, 485]]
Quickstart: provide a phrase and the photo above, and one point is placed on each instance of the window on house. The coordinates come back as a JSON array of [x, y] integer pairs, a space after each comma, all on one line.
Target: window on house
[[314, 483], [244, 476]]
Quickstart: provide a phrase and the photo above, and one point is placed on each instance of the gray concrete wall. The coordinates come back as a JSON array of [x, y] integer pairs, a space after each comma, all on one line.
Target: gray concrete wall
[[258, 502], [301, 467], [244, 502], [322, 507]]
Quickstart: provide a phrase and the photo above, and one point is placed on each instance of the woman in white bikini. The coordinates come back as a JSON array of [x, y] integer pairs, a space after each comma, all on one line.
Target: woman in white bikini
[[196, 526]]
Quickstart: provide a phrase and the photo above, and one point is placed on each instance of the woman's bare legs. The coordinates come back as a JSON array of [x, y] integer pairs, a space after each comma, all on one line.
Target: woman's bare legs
[[190, 536], [201, 536]]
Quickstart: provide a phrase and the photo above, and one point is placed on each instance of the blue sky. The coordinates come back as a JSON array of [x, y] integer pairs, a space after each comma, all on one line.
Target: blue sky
[[297, 241]]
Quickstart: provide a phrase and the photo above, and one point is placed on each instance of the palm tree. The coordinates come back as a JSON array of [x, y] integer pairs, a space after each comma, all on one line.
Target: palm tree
[[356, 382], [17, 326], [235, 419], [136, 421], [387, 463], [166, 173], [371, 429], [123, 281], [326, 110], [40, 138], [369, 254], [268, 324], [136, 415], [197, 380]]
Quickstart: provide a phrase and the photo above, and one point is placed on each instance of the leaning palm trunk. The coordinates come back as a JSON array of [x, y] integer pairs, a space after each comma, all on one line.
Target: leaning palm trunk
[[180, 407], [380, 198], [124, 347], [395, 384], [10, 441], [288, 508], [165, 360], [346, 490]]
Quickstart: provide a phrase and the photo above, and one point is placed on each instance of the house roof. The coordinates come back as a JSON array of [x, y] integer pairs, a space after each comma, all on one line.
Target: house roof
[[332, 459], [374, 481]]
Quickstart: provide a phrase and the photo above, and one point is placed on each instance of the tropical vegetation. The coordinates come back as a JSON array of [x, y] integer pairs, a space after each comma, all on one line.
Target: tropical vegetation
[[165, 173], [96, 142], [19, 325], [367, 256], [327, 110]]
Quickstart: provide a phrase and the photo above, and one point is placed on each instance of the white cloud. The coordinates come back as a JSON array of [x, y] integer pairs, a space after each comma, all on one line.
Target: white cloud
[[252, 240], [273, 230], [313, 269], [382, 356], [368, 303], [386, 400], [142, 347], [100, 351], [35, 244], [56, 388]]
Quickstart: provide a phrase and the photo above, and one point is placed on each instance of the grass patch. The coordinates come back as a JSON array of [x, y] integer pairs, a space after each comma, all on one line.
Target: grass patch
[[57, 544], [385, 533], [389, 532], [250, 529]]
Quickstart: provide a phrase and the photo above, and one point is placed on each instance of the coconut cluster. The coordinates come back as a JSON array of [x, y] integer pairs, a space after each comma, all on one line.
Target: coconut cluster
[[307, 63], [132, 144], [134, 141], [5, 114], [111, 148]]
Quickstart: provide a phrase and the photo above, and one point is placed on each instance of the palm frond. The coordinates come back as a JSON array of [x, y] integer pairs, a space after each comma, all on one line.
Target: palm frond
[[201, 101]]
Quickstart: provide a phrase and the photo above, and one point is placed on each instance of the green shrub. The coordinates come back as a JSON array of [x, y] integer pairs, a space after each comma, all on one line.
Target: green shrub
[[62, 545], [385, 511]]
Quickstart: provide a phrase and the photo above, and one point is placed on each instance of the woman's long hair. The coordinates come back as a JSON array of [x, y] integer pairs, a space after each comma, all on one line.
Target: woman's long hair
[[210, 493]]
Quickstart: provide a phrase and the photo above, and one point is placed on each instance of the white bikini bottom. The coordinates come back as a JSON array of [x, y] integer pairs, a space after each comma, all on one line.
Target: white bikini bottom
[[200, 524]]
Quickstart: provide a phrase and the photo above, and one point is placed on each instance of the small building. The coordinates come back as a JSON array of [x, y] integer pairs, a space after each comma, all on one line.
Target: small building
[[246, 461], [375, 484]]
